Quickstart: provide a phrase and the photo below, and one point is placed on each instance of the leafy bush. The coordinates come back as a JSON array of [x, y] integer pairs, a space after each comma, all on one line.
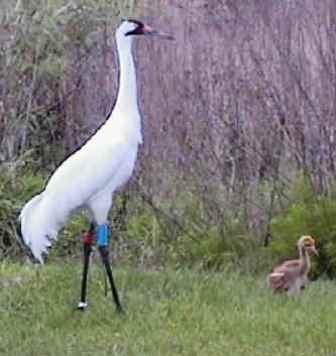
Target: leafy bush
[[38, 45], [180, 235], [141, 236], [211, 245], [15, 190]]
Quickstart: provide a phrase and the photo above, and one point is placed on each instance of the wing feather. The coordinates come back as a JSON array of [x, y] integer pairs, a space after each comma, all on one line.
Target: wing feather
[[73, 183]]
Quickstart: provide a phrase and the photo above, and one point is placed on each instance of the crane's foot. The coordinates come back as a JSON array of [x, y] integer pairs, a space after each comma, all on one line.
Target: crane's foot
[[102, 235], [82, 306], [120, 310]]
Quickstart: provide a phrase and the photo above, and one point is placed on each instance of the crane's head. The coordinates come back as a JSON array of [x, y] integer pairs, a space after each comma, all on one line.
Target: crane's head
[[130, 28], [308, 243]]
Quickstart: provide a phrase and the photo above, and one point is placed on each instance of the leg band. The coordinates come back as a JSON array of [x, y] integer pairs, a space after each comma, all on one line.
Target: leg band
[[102, 235]]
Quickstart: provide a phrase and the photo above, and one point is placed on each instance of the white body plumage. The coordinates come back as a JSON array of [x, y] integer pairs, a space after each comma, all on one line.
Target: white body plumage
[[89, 177]]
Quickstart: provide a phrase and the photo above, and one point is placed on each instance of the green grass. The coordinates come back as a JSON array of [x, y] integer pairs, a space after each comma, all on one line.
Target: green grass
[[167, 313]]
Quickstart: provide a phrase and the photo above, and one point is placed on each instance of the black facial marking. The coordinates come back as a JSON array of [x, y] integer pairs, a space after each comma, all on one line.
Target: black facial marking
[[137, 22], [138, 30]]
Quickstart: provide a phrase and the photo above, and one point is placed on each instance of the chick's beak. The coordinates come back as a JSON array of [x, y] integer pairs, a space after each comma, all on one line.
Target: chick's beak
[[313, 250], [149, 31]]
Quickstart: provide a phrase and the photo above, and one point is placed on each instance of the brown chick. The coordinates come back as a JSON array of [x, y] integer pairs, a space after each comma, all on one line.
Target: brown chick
[[292, 276]]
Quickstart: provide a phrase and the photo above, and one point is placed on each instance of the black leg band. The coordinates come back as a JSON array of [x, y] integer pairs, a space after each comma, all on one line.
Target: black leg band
[[104, 253]]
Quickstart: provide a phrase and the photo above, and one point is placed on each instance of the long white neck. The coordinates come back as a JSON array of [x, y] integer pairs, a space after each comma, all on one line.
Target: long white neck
[[125, 117], [127, 92]]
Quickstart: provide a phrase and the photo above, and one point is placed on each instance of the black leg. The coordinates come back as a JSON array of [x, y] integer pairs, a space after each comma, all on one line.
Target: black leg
[[87, 244], [104, 253]]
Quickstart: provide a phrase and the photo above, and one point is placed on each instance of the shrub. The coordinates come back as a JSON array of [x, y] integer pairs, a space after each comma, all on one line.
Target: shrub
[[212, 246], [15, 190]]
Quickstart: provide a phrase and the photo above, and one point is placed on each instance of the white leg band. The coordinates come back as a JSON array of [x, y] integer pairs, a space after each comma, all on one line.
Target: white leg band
[[82, 305]]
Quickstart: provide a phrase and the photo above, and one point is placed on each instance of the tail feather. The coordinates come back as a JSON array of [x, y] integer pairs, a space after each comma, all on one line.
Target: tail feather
[[38, 226]]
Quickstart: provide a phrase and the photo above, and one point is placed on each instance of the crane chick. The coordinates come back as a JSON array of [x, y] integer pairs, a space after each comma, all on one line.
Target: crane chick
[[292, 276]]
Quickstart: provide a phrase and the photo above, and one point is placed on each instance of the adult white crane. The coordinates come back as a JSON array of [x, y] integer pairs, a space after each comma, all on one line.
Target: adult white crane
[[90, 176]]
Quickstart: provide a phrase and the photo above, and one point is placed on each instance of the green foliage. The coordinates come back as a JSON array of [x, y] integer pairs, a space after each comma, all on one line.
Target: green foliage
[[309, 215], [141, 242], [207, 244], [211, 249], [38, 39], [176, 233], [182, 312], [143, 237], [69, 243], [15, 190]]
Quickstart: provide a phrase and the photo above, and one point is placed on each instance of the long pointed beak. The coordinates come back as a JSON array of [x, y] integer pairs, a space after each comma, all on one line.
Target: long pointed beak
[[149, 31]]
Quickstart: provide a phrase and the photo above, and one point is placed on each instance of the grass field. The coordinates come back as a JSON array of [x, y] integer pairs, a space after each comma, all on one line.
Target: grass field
[[167, 313]]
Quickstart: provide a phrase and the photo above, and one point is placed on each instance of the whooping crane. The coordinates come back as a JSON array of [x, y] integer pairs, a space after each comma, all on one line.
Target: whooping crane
[[90, 176]]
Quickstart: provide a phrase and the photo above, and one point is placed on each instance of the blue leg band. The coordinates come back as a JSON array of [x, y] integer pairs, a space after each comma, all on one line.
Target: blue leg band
[[102, 235]]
